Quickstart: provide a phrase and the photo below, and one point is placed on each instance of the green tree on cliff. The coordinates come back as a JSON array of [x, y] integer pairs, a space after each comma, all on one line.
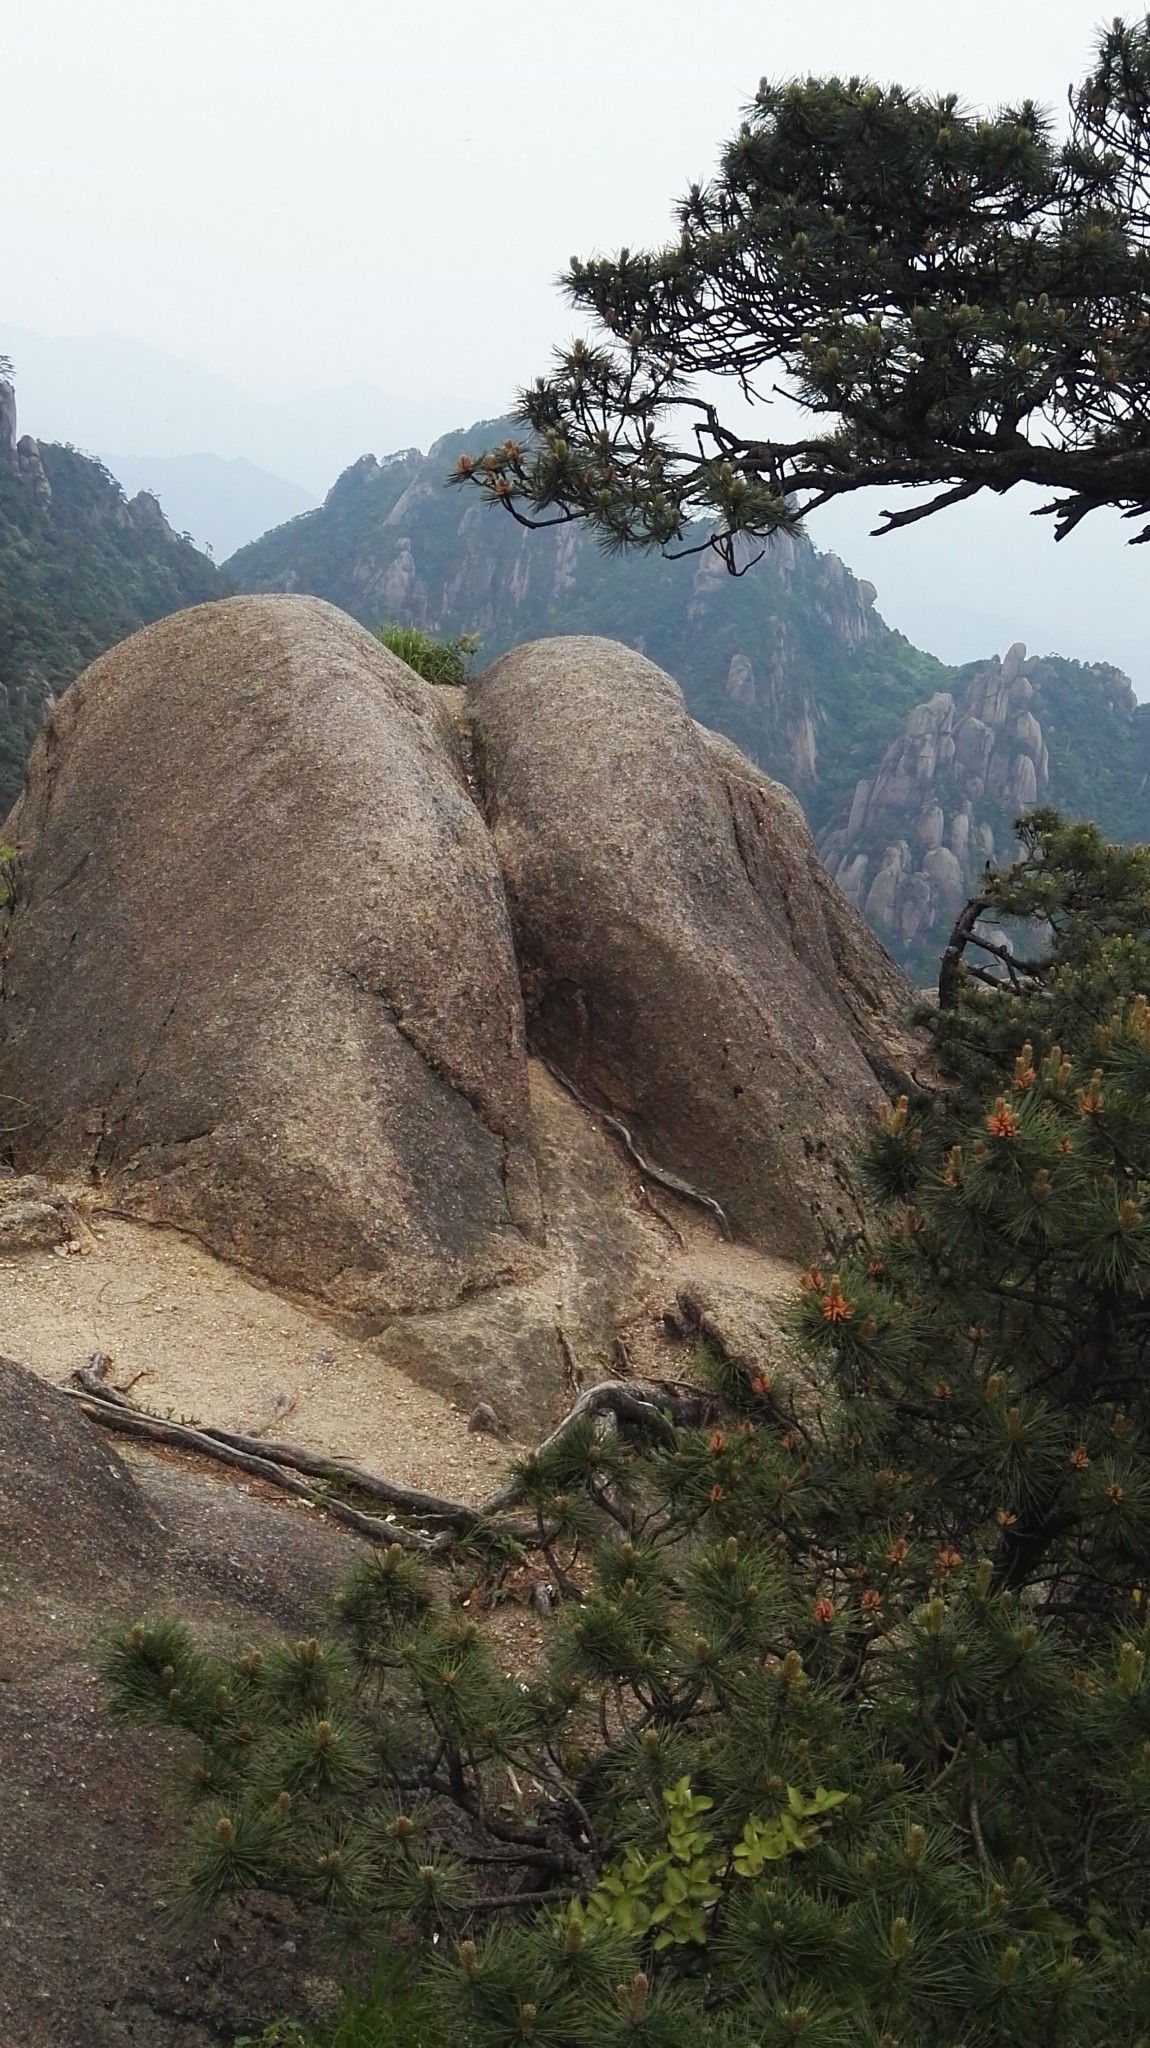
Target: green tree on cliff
[[956, 302]]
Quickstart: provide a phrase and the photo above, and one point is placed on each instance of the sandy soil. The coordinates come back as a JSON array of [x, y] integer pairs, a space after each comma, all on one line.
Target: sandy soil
[[201, 1342]]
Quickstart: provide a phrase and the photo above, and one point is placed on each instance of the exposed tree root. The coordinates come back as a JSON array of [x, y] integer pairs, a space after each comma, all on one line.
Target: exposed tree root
[[646, 1167], [653, 1407]]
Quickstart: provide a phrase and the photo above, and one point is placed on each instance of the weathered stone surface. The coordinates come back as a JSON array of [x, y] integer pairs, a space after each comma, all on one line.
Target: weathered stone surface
[[851, 876], [604, 1274], [931, 825], [740, 684], [261, 985], [673, 937], [973, 744], [882, 896], [8, 428], [31, 468], [1028, 730], [1024, 782], [34, 1216], [70, 1512], [944, 873], [858, 810], [990, 690], [259, 976], [1012, 661], [913, 907], [91, 1958]]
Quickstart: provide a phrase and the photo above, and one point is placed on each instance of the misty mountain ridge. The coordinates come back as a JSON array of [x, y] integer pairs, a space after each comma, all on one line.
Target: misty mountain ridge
[[981, 577], [910, 771], [221, 502], [81, 567], [103, 391]]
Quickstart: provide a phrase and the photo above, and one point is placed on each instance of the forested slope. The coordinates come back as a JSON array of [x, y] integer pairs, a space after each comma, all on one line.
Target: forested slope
[[81, 567]]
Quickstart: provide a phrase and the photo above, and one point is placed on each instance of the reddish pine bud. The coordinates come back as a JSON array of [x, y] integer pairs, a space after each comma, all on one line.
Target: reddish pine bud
[[1002, 1122], [1091, 1100], [836, 1308], [1024, 1074]]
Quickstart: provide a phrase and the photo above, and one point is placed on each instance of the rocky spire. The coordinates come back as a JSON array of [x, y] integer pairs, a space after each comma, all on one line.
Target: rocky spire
[[942, 802], [7, 424], [20, 454]]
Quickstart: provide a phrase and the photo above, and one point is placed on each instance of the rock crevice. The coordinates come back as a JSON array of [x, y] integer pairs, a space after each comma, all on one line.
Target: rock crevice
[[653, 870]]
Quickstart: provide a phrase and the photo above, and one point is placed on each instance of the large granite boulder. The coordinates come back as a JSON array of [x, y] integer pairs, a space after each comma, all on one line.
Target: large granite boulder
[[680, 959], [285, 918], [258, 974]]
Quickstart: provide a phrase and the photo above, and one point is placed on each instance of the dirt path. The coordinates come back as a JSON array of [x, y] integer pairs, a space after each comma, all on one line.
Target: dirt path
[[199, 1340]]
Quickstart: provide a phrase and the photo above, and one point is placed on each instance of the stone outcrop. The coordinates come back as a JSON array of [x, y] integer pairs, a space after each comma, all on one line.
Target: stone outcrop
[[942, 804], [287, 920], [88, 1539], [259, 976], [34, 1216], [19, 453], [675, 952], [30, 465], [69, 1512]]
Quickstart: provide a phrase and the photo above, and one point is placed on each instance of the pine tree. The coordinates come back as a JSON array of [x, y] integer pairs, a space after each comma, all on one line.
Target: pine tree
[[847, 1740], [1080, 909], [958, 302]]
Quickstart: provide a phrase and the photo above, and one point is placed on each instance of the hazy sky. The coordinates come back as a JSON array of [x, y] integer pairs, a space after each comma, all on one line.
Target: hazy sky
[[297, 196], [296, 193]]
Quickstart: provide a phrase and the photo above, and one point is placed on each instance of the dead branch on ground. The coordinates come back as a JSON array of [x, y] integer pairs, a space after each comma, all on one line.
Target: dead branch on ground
[[655, 1408]]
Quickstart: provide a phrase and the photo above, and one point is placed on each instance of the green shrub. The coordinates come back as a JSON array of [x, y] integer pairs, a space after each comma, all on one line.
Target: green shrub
[[437, 661]]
